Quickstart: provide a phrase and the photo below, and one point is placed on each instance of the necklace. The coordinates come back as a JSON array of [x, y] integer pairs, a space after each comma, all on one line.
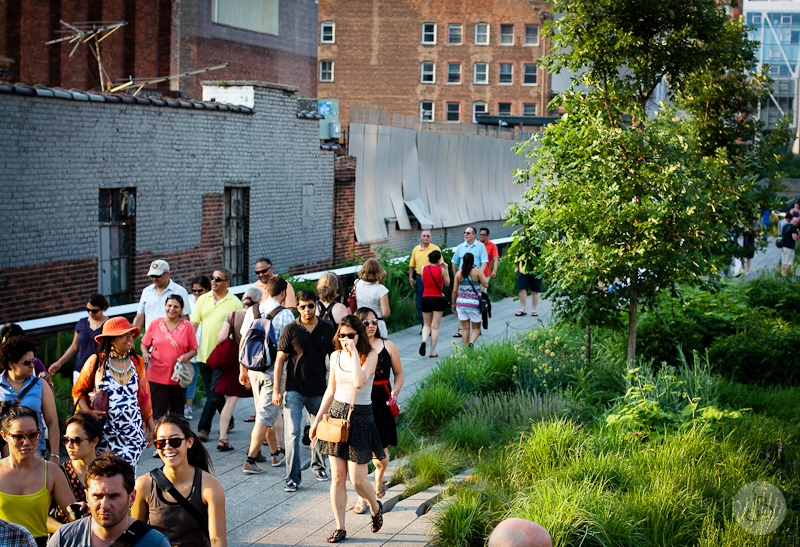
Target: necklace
[[120, 369], [114, 352]]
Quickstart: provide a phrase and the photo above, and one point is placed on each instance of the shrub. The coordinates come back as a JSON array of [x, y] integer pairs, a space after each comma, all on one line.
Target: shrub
[[480, 370], [433, 404], [761, 356], [548, 358]]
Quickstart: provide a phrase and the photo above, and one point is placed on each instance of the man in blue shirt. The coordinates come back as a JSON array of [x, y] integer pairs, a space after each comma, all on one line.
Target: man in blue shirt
[[477, 249]]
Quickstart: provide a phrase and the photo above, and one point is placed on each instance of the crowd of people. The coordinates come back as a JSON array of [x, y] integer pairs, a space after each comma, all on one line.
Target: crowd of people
[[301, 357]]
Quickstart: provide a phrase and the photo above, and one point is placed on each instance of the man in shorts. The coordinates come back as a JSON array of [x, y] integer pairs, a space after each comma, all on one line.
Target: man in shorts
[[790, 236], [527, 282]]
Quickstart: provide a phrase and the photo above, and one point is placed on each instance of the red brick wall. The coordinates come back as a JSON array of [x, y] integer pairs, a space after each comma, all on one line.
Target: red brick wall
[[344, 198]]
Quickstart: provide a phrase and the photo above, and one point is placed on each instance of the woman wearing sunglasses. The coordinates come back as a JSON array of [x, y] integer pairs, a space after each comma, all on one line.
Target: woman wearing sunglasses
[[83, 433], [83, 344], [352, 369], [382, 396], [19, 385], [186, 467], [27, 483], [118, 371]]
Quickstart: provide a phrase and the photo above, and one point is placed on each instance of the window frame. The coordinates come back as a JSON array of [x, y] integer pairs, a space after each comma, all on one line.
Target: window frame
[[488, 35], [475, 73], [500, 35], [474, 113], [510, 108], [500, 73], [784, 16], [332, 25], [422, 72], [525, 73], [447, 105], [432, 111], [450, 27], [525, 37], [454, 64], [321, 61], [535, 109], [430, 43]]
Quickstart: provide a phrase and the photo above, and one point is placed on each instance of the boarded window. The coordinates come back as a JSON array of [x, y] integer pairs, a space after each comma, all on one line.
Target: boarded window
[[116, 210], [256, 15], [235, 233]]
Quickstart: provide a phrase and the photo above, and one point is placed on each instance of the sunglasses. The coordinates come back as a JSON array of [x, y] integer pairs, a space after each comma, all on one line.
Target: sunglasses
[[72, 440], [369, 322], [349, 335], [197, 291], [174, 442], [91, 310], [265, 270], [218, 279], [28, 362], [156, 276], [19, 438], [304, 306]]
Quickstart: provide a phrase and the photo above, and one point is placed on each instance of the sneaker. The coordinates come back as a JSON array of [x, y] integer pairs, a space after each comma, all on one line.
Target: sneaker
[[203, 435], [187, 412], [260, 458], [321, 475], [251, 469], [290, 486], [277, 459]]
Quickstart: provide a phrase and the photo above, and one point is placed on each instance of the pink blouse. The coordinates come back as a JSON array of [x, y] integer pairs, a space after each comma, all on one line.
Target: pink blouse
[[165, 348]]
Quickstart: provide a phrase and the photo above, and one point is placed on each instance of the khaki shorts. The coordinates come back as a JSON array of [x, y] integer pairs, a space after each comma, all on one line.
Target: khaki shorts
[[261, 384], [787, 256]]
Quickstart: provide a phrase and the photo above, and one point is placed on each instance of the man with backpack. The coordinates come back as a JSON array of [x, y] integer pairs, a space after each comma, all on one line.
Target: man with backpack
[[261, 331], [302, 348]]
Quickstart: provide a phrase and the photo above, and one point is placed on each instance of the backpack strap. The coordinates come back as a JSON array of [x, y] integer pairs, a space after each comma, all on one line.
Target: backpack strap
[[271, 315], [323, 311], [163, 482], [136, 534], [256, 311]]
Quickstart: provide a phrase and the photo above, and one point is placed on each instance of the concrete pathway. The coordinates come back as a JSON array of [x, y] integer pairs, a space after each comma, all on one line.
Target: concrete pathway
[[260, 513]]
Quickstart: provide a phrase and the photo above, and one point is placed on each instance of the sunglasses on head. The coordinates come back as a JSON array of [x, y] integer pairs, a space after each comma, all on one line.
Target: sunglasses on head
[[218, 279], [369, 322], [92, 310], [174, 442], [19, 438], [349, 335], [72, 440], [265, 270], [301, 307]]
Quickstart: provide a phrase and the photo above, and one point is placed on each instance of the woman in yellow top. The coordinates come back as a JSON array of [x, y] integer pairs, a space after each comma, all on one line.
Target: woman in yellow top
[[27, 483]]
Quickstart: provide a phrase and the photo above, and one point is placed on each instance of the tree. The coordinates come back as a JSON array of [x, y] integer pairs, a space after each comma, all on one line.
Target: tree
[[623, 201]]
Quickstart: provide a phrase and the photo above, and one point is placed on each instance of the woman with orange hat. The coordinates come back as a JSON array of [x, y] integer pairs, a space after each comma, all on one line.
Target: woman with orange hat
[[118, 371]]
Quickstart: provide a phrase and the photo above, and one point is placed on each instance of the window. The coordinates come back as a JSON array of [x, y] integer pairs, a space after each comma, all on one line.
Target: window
[[326, 71], [506, 35], [327, 32], [478, 107], [786, 36], [774, 71], [427, 72], [503, 109], [481, 34], [529, 109], [756, 18], [453, 112], [774, 53], [426, 111], [116, 215], [429, 33], [235, 233], [506, 75], [530, 75], [531, 35], [481, 73], [786, 19], [255, 15], [454, 34], [453, 73]]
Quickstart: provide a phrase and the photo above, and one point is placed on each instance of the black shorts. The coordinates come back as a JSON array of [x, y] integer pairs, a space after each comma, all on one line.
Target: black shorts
[[433, 303], [529, 282]]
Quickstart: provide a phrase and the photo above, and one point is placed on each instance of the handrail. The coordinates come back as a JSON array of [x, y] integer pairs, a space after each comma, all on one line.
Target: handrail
[[127, 309]]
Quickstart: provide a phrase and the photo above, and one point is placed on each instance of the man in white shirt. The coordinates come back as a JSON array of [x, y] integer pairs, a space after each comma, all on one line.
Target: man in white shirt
[[152, 304]]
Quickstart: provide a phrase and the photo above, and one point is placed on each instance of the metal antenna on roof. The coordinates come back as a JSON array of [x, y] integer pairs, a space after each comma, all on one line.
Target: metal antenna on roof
[[141, 82], [84, 31]]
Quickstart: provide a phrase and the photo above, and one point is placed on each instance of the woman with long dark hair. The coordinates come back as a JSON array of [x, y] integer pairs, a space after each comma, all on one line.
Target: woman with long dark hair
[[435, 278], [467, 298], [28, 484], [186, 467], [118, 371], [382, 396], [350, 380], [82, 435]]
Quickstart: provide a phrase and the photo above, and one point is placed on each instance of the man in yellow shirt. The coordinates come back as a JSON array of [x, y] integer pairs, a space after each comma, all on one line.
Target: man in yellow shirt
[[419, 259], [210, 310]]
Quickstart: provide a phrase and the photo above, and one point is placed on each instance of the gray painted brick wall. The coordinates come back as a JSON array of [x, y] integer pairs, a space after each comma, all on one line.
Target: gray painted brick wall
[[55, 154]]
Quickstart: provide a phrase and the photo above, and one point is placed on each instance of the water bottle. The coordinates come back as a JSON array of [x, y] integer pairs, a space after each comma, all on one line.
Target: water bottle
[[176, 372]]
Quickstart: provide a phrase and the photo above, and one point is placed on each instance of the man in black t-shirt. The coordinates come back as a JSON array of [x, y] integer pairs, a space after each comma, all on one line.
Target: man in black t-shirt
[[302, 348], [790, 235]]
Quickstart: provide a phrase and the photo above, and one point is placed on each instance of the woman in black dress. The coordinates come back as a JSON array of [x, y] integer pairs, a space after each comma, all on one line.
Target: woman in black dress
[[382, 394]]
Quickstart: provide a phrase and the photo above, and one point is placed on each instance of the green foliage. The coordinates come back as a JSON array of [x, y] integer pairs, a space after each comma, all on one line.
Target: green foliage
[[62, 388], [428, 466], [505, 284], [789, 165], [463, 519], [482, 369], [434, 404], [548, 358], [776, 292], [763, 356]]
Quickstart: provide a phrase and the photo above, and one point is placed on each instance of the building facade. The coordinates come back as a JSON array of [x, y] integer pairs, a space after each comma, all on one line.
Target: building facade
[[265, 40], [438, 61]]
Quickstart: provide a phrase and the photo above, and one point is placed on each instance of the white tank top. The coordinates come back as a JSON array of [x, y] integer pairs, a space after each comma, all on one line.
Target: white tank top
[[345, 386]]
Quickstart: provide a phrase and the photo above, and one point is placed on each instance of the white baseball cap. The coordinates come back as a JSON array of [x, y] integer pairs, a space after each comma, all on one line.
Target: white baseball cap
[[158, 267]]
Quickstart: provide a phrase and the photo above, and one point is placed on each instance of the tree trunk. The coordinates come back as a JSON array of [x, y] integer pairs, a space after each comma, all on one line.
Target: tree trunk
[[633, 317], [587, 354]]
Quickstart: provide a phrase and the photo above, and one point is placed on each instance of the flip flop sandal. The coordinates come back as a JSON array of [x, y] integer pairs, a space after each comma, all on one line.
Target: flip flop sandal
[[520, 313], [534, 314], [337, 536], [433, 355], [224, 446], [360, 507], [457, 335], [377, 520]]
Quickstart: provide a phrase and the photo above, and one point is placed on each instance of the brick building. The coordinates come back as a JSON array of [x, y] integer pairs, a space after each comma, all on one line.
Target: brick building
[[444, 61], [95, 187], [270, 40]]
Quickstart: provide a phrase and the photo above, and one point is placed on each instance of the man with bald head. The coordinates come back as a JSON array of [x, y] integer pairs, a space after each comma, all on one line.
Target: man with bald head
[[519, 533]]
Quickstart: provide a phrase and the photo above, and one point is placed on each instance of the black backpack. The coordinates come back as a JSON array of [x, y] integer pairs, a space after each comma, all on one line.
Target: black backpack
[[326, 314]]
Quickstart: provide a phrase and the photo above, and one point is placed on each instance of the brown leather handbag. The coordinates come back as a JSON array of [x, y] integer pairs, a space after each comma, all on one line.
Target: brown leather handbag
[[336, 430]]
